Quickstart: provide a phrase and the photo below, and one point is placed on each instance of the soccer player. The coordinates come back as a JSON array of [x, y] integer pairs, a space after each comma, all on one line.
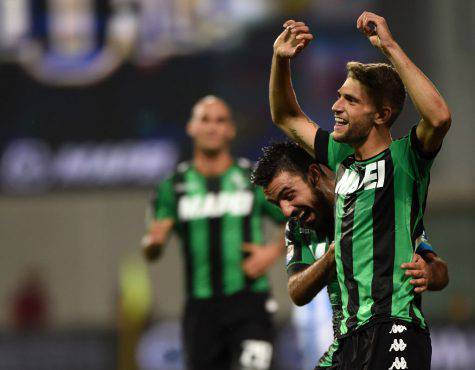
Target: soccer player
[[380, 192], [217, 212], [293, 181]]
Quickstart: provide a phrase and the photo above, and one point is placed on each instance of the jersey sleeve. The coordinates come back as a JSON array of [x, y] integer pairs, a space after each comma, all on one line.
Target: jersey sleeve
[[299, 255], [268, 209], [328, 151], [408, 152], [165, 203]]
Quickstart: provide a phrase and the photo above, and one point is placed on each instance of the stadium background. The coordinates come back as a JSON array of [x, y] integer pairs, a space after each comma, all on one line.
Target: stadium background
[[94, 96]]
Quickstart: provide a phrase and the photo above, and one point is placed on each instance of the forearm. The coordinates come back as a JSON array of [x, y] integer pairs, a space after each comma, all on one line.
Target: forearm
[[157, 236], [430, 104], [439, 274], [275, 250], [283, 101], [305, 285], [285, 110]]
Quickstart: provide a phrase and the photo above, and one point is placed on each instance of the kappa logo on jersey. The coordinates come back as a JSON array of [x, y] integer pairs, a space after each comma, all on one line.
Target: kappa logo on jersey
[[215, 205], [256, 354], [290, 253], [397, 329], [320, 250], [399, 364], [239, 181], [398, 346], [373, 178]]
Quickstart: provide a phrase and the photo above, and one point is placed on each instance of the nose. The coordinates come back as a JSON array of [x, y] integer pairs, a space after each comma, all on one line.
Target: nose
[[287, 209], [337, 106]]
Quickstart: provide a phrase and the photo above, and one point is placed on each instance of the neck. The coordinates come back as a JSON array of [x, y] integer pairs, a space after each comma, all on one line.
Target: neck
[[377, 141], [212, 164]]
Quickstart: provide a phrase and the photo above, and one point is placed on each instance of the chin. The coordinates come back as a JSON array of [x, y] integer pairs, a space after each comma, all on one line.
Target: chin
[[211, 151], [340, 137], [310, 223]]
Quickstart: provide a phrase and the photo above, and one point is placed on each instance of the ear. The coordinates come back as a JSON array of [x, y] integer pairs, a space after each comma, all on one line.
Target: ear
[[313, 174], [383, 115], [189, 128], [232, 131]]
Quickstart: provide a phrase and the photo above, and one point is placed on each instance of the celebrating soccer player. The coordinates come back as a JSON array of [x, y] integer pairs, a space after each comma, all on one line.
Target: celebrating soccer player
[[380, 191], [217, 212], [293, 181]]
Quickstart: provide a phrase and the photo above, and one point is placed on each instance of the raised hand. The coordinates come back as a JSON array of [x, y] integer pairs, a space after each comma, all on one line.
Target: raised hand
[[376, 30], [292, 40]]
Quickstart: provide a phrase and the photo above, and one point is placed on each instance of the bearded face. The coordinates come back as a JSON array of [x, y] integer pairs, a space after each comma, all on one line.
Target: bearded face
[[354, 113]]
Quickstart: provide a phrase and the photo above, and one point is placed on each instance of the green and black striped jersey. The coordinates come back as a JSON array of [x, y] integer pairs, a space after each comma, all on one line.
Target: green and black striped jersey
[[214, 216], [379, 205], [304, 247]]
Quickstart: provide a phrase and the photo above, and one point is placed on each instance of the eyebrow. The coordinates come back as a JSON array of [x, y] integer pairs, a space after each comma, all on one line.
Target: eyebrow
[[276, 201], [349, 97], [281, 192]]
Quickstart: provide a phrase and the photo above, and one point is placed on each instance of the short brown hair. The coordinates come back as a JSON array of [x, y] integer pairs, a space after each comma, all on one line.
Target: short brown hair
[[383, 84]]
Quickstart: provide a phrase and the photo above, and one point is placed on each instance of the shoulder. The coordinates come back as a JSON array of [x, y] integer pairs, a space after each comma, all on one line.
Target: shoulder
[[402, 141], [170, 181], [180, 170], [242, 174], [182, 167], [244, 164]]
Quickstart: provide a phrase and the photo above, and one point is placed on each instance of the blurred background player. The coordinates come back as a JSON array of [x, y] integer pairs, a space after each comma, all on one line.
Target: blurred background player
[[299, 186], [217, 212], [99, 92]]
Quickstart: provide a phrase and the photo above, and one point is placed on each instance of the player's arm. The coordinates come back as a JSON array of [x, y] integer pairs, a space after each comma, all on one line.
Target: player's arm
[[285, 110], [434, 111], [262, 257], [428, 272], [306, 283], [157, 236], [160, 220], [439, 272]]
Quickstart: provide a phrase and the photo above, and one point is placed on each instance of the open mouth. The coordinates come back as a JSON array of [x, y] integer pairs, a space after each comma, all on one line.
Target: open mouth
[[305, 216], [340, 122]]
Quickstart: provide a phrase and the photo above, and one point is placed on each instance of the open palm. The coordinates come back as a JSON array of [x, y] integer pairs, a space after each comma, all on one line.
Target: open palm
[[292, 40]]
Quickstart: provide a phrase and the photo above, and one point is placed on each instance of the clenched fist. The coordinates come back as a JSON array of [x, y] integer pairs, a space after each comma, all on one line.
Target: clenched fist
[[376, 30]]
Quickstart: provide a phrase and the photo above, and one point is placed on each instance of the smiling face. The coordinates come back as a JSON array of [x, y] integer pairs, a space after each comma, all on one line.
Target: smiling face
[[354, 113], [300, 198], [211, 126]]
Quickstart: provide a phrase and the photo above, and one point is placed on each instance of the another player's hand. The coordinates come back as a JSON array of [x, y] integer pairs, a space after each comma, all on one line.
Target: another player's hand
[[151, 248], [376, 30], [295, 37], [331, 249], [420, 271], [152, 243], [259, 260]]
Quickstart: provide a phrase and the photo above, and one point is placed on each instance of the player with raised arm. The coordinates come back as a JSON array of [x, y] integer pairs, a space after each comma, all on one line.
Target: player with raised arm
[[380, 192], [217, 213], [302, 189]]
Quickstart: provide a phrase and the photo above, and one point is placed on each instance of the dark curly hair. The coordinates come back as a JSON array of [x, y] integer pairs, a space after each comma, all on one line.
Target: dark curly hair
[[279, 157]]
